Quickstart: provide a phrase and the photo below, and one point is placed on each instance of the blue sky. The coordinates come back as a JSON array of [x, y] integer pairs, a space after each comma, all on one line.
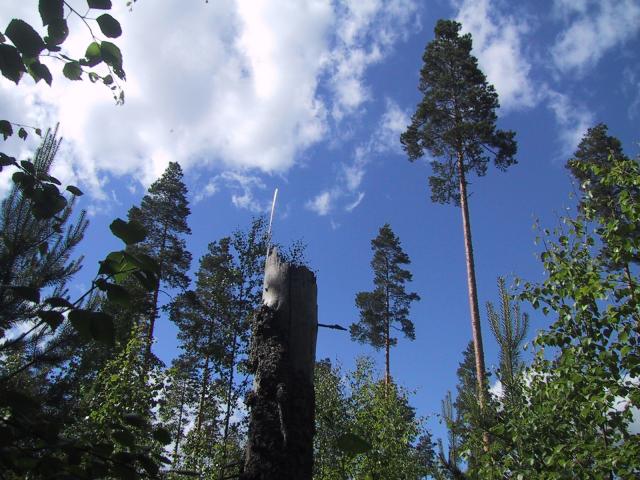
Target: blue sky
[[310, 96]]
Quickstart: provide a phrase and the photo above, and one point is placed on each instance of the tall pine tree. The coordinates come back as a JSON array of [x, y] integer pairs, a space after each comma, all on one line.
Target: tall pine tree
[[388, 304], [163, 213], [456, 122]]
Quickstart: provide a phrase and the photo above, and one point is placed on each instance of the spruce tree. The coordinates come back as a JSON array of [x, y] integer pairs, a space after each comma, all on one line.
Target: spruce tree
[[456, 123], [388, 304], [163, 212]]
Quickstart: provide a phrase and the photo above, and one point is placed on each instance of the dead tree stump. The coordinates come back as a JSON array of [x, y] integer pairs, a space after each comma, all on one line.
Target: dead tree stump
[[282, 359]]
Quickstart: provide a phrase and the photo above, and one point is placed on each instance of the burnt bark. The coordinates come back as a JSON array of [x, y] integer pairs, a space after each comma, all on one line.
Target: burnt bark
[[282, 358]]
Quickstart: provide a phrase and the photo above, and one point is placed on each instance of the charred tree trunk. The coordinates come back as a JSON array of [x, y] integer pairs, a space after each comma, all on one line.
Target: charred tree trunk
[[282, 358]]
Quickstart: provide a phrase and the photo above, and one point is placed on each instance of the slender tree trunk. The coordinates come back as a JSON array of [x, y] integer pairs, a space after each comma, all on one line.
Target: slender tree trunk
[[203, 394], [476, 330], [179, 427], [154, 305], [227, 415], [387, 376]]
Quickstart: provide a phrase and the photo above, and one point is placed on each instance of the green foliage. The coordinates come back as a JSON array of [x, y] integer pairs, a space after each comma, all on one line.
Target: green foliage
[[177, 400], [576, 406], [213, 322], [455, 120], [364, 428], [163, 215], [22, 55], [509, 328], [597, 154], [388, 304], [332, 421], [38, 436]]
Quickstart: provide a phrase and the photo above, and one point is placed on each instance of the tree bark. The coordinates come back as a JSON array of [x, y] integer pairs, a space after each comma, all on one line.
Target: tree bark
[[227, 415], [282, 358], [476, 329], [154, 305], [174, 462], [387, 375], [203, 393]]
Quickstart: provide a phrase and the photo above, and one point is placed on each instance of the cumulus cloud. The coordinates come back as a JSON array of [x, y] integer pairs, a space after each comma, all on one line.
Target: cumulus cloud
[[234, 85], [593, 28], [498, 45]]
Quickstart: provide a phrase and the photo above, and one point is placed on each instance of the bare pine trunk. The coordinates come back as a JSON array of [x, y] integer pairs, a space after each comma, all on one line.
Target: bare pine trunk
[[227, 415], [174, 463], [154, 305], [387, 376], [203, 394], [476, 329]]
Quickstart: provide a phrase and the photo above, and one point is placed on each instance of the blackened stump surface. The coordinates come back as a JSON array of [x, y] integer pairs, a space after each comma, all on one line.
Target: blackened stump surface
[[282, 355]]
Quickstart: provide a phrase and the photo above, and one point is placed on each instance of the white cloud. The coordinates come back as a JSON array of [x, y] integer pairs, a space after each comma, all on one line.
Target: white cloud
[[594, 27], [242, 188], [498, 45], [231, 85], [366, 32], [631, 89], [321, 203], [355, 203], [573, 120], [384, 139]]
